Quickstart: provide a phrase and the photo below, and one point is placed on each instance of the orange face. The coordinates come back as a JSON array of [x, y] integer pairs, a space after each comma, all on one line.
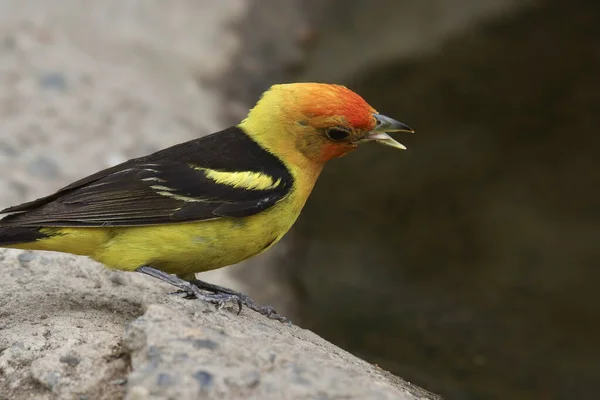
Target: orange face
[[339, 117], [317, 122], [341, 104]]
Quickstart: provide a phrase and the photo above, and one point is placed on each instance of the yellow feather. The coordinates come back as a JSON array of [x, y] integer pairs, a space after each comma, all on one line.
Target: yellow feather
[[241, 179], [200, 246], [179, 197], [177, 248]]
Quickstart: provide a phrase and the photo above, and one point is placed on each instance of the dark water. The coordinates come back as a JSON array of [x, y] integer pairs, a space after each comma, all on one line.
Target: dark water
[[470, 264]]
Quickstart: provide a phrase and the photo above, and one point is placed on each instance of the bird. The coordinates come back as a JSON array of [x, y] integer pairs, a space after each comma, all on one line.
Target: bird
[[209, 202]]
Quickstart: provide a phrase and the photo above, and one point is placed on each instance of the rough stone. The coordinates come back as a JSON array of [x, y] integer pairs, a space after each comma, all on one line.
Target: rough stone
[[255, 358]]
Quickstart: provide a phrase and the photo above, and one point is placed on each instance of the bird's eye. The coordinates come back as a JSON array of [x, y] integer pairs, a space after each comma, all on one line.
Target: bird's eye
[[337, 134]]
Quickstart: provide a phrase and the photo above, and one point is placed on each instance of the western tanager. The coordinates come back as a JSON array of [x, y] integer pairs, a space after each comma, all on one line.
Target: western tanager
[[209, 202]]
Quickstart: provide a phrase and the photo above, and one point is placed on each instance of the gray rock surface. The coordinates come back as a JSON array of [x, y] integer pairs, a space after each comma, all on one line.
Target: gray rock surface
[[72, 329], [85, 85], [62, 325], [185, 350]]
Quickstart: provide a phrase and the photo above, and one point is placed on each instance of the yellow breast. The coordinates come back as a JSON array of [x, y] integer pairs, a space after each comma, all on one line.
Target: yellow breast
[[198, 246], [186, 247]]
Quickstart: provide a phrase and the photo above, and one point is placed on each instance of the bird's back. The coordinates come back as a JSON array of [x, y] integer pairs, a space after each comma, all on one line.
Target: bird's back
[[198, 205]]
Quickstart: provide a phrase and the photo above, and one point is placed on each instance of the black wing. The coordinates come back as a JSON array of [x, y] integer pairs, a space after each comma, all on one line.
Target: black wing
[[169, 186]]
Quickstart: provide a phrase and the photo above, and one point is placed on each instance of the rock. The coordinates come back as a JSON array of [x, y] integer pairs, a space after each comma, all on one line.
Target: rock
[[73, 343], [53, 81], [249, 357], [43, 167], [70, 359], [59, 333], [47, 378], [25, 257], [118, 278]]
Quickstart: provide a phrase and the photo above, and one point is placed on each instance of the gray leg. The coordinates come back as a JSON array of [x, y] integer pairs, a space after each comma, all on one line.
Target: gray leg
[[217, 298], [267, 311]]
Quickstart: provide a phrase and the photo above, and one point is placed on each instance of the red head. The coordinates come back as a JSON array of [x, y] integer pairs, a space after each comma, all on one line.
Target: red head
[[321, 121], [337, 102]]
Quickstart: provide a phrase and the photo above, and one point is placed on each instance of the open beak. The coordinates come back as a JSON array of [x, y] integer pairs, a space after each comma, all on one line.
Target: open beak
[[384, 126]]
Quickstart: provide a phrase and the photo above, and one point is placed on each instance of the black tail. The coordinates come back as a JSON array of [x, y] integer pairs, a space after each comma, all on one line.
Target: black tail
[[15, 235]]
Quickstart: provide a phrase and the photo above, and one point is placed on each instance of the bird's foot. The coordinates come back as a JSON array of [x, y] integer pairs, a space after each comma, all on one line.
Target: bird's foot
[[243, 299], [267, 310], [192, 291], [182, 293], [218, 295], [220, 298]]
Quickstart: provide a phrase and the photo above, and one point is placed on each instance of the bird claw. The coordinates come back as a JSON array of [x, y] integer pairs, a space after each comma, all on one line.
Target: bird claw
[[221, 298], [184, 294], [267, 311], [216, 295], [218, 299]]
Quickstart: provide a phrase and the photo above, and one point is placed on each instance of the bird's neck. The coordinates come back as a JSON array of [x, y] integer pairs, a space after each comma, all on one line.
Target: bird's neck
[[269, 125], [269, 132]]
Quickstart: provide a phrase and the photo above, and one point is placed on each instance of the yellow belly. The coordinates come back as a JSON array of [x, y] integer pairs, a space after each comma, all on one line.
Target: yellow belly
[[190, 247], [176, 248]]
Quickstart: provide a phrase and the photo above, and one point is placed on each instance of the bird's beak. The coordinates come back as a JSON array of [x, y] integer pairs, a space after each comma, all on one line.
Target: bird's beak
[[384, 126]]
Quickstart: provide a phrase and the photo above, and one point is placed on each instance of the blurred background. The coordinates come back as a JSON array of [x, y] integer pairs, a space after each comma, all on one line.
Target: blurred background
[[467, 264]]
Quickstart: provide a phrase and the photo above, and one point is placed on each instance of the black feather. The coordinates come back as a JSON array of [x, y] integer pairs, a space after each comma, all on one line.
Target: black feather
[[119, 196], [17, 235]]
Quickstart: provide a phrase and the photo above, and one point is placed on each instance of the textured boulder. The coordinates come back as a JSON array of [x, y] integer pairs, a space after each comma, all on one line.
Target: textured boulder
[[72, 329], [185, 350]]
